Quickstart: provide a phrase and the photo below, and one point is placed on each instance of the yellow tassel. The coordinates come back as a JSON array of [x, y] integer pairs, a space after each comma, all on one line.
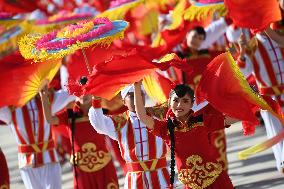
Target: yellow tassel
[[119, 12], [26, 48], [149, 24], [11, 44], [202, 12], [177, 15], [158, 41]]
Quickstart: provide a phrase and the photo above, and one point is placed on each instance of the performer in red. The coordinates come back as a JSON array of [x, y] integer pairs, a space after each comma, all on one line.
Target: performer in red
[[38, 160], [197, 160], [197, 60], [144, 153], [93, 166], [266, 64], [4, 178]]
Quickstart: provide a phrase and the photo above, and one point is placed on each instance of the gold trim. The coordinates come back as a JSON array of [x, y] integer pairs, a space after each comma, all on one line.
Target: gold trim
[[188, 128], [276, 90], [199, 174], [112, 186]]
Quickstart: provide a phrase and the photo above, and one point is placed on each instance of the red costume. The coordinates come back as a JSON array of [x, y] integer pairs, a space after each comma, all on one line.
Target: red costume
[[4, 178], [191, 75], [94, 167], [197, 163]]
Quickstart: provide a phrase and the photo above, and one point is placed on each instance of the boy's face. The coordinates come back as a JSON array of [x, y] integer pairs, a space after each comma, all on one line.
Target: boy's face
[[194, 40], [128, 101], [84, 100], [180, 106]]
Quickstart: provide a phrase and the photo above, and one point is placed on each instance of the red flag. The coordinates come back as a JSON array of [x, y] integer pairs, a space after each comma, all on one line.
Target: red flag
[[108, 78], [253, 14], [77, 66], [224, 86]]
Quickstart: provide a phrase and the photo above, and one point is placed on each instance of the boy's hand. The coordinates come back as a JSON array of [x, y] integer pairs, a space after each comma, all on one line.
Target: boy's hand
[[138, 83]]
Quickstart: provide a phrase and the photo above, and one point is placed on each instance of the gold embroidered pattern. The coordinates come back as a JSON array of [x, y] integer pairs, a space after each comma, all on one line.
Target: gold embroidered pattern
[[199, 175], [119, 121], [90, 159], [220, 144], [188, 128], [112, 186]]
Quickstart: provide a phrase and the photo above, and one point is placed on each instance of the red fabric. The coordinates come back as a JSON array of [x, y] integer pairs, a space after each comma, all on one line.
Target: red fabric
[[116, 153], [4, 178], [91, 156], [248, 128], [76, 64], [101, 5], [220, 86], [274, 105], [201, 146], [253, 14], [55, 83], [19, 6], [108, 78], [136, 166], [195, 66]]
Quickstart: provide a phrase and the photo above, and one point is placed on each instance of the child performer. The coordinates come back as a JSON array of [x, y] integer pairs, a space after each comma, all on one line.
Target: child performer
[[187, 136], [93, 166]]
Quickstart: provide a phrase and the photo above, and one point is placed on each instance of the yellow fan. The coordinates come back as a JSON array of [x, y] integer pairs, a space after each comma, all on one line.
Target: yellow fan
[[23, 80]]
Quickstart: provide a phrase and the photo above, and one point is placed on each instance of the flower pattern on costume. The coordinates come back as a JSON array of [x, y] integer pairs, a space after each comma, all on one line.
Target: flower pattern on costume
[[199, 174]]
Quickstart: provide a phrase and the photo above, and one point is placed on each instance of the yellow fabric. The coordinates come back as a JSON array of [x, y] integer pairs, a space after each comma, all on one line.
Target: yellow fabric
[[154, 90], [261, 146], [177, 14], [202, 12]]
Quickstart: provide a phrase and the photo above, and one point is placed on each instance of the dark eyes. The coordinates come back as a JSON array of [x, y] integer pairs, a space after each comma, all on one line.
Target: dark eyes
[[184, 101]]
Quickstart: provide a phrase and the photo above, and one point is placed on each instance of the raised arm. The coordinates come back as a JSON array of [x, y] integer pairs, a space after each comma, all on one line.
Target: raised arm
[[101, 123], [140, 108], [279, 39], [213, 32], [53, 120]]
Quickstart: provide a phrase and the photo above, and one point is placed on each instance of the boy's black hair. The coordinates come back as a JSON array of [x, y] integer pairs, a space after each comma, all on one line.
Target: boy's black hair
[[200, 31], [181, 90]]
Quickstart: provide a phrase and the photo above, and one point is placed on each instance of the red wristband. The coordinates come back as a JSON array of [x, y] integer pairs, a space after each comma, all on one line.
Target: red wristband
[[228, 20], [96, 103], [240, 63]]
